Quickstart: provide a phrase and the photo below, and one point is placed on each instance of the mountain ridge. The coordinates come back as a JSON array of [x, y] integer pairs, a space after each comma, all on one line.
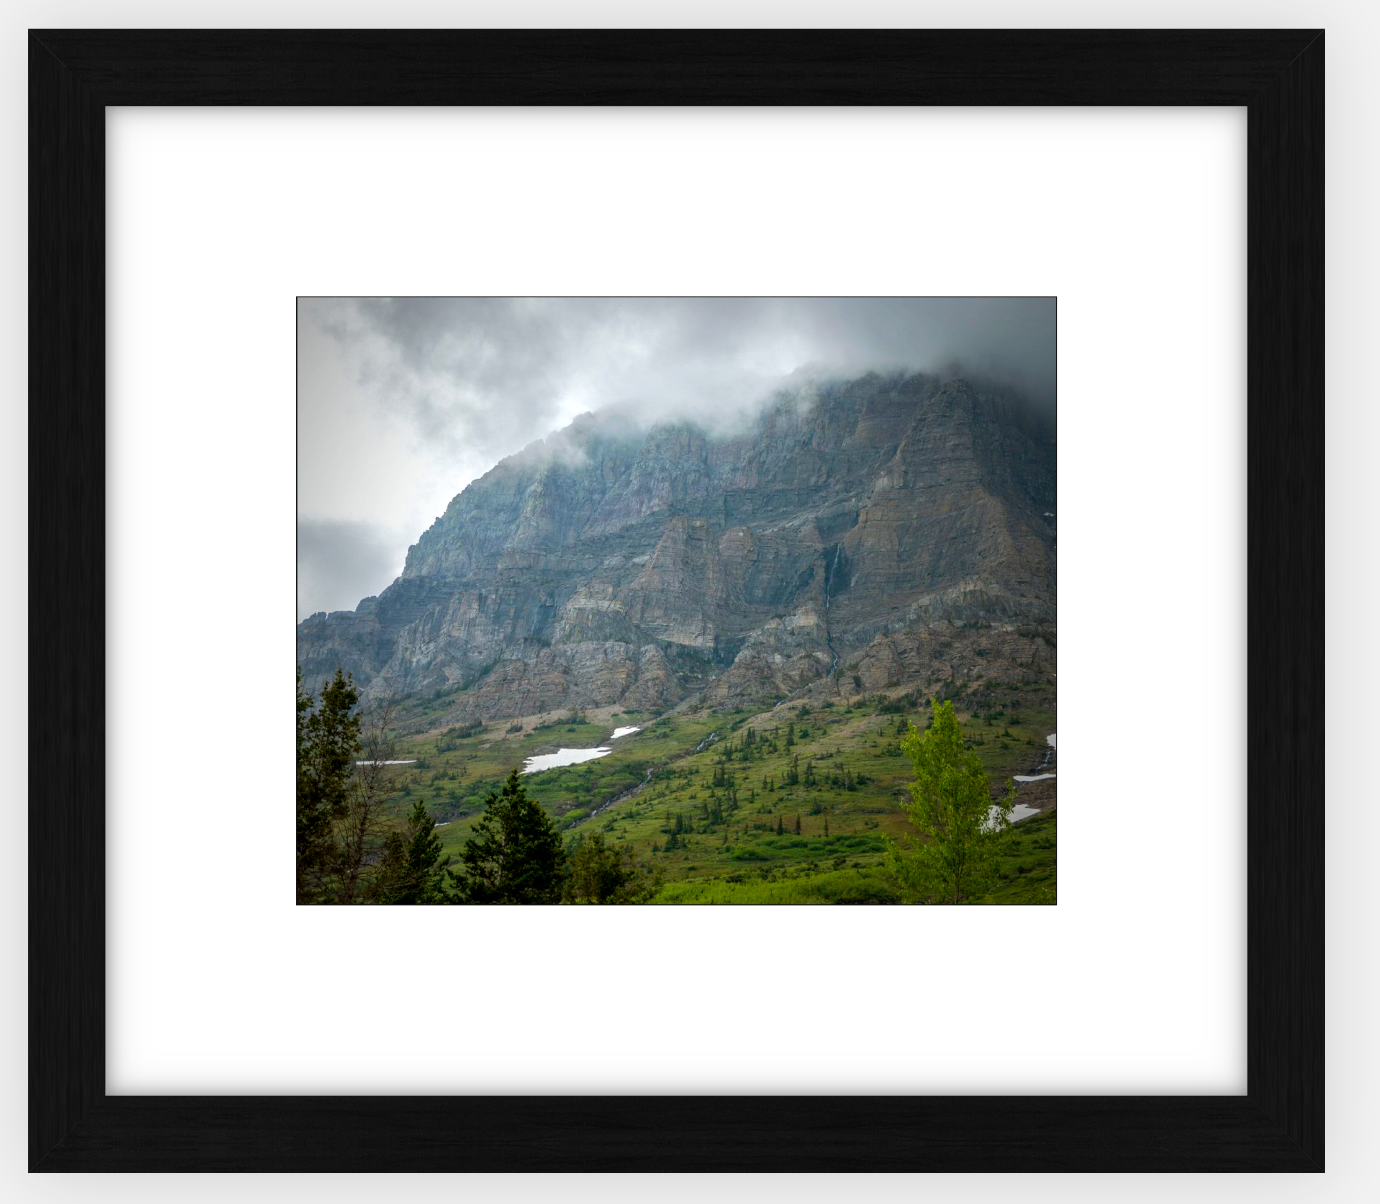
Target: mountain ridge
[[858, 533]]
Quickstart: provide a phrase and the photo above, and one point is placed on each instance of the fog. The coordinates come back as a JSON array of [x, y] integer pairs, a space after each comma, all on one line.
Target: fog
[[402, 402]]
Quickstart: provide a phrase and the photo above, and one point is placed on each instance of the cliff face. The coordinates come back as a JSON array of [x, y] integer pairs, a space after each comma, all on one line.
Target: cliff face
[[847, 531]]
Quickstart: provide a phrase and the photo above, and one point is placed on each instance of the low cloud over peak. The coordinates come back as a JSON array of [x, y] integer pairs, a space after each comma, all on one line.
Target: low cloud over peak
[[403, 401]]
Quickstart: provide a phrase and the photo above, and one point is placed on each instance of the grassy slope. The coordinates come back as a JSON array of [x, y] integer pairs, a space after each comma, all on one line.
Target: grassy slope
[[734, 854], [1027, 875]]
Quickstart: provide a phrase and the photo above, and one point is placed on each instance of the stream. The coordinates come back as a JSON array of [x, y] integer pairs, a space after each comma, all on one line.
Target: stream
[[619, 797], [1039, 775], [651, 769]]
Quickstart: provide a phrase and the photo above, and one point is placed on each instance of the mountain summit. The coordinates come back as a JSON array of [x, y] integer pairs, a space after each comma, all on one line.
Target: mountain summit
[[851, 536]]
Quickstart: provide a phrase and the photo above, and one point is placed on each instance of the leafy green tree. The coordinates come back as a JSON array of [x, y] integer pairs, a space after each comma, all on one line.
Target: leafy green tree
[[951, 858], [598, 872], [515, 853], [328, 740], [410, 869]]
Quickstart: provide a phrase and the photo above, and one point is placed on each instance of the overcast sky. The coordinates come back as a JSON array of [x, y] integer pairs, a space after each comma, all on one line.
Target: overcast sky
[[402, 402]]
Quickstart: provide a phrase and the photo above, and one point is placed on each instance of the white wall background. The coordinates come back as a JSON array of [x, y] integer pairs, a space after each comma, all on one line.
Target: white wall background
[[1352, 267]]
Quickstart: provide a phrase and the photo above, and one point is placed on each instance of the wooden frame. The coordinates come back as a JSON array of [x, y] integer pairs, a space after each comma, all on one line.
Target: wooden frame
[[73, 75]]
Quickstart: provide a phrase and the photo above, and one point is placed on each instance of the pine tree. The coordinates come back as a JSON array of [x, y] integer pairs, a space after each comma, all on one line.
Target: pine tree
[[604, 873], [515, 853], [797, 824], [780, 830], [410, 870], [328, 741]]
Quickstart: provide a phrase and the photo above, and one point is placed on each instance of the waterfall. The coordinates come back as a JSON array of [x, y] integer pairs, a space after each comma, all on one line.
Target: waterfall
[[832, 573]]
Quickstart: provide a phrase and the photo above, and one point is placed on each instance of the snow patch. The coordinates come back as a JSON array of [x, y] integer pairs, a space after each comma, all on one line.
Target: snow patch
[[1019, 812], [562, 757]]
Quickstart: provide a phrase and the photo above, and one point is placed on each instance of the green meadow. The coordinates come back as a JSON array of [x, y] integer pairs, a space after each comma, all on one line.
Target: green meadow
[[791, 804]]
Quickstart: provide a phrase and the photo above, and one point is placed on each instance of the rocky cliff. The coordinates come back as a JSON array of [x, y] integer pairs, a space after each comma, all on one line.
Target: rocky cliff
[[862, 533]]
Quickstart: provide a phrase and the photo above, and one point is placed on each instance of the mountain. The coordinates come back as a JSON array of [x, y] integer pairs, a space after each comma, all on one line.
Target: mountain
[[852, 536]]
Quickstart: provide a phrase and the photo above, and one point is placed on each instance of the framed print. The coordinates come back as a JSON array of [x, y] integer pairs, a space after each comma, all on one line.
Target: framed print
[[676, 653]]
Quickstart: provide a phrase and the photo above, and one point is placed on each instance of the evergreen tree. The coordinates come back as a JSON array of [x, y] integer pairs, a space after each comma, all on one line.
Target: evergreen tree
[[780, 830], [328, 741], [603, 873], [952, 856], [410, 870], [515, 853], [797, 824]]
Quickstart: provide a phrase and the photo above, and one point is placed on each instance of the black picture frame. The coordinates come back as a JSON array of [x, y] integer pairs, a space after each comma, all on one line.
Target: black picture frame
[[74, 74]]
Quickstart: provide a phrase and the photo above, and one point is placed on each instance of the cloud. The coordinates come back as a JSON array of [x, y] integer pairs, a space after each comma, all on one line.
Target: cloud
[[403, 401], [340, 562]]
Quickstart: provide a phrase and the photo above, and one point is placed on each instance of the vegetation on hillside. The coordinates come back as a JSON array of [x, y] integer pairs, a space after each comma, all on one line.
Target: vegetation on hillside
[[951, 856], [835, 800], [515, 854]]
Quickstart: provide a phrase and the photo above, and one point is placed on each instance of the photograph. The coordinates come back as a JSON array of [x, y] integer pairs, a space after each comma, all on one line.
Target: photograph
[[676, 600]]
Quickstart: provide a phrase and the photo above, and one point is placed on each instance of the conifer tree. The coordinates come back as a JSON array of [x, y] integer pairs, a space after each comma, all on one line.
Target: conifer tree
[[409, 869], [598, 872], [328, 741], [515, 853]]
